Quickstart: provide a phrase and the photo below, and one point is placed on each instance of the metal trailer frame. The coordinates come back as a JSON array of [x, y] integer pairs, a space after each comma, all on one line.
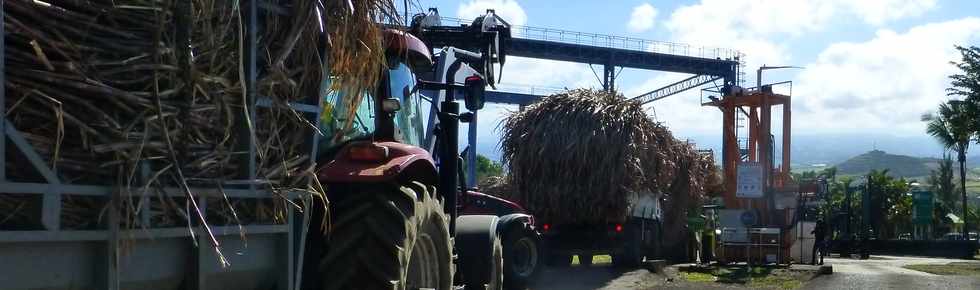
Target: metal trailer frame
[[105, 259]]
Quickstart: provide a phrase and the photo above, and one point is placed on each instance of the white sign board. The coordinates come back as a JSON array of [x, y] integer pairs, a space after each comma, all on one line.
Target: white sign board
[[749, 180]]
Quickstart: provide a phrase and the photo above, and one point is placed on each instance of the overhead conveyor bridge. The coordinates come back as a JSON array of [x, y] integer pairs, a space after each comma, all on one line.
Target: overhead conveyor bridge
[[613, 53]]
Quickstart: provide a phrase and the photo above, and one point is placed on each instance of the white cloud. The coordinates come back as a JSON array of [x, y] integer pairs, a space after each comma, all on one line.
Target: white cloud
[[885, 83], [683, 112], [759, 28], [910, 68], [544, 73], [642, 18], [751, 27], [769, 17], [878, 12], [509, 10]]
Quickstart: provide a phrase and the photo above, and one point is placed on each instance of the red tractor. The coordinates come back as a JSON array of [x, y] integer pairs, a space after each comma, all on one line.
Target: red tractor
[[397, 216]]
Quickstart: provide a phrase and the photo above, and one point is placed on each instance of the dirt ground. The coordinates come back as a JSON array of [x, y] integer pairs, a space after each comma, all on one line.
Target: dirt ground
[[606, 277], [598, 276]]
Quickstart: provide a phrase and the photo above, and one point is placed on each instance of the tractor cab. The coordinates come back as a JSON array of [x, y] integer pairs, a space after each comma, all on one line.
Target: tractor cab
[[392, 112], [389, 174]]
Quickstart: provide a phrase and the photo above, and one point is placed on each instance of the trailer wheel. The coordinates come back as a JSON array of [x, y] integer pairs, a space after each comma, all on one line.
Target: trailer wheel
[[387, 237], [656, 250], [522, 258]]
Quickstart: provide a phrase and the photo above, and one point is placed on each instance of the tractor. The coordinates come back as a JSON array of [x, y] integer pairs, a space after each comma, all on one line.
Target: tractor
[[397, 215]]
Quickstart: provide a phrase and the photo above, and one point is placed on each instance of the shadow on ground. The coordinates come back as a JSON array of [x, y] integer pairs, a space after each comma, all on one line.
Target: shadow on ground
[[596, 277]]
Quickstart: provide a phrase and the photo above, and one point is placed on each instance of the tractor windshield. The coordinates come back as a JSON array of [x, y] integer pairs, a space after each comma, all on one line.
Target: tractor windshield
[[340, 122], [344, 118]]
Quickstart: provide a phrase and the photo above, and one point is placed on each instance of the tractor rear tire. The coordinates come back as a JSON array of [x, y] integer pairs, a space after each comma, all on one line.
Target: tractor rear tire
[[387, 237]]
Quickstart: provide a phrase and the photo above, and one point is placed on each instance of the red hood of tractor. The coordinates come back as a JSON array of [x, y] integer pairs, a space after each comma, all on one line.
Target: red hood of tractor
[[399, 157]]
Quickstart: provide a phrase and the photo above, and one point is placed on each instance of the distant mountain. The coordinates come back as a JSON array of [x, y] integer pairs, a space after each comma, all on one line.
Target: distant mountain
[[809, 149], [897, 165]]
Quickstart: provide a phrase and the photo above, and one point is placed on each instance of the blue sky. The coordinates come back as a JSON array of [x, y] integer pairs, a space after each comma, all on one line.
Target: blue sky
[[871, 66]]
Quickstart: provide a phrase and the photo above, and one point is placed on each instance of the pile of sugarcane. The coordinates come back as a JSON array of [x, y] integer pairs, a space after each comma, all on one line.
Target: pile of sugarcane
[[497, 186], [576, 156], [106, 90]]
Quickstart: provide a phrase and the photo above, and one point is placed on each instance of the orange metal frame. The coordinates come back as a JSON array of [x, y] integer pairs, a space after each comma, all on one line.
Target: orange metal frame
[[758, 104]]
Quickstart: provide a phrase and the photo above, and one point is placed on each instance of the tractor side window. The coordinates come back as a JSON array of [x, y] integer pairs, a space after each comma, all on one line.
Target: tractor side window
[[409, 118]]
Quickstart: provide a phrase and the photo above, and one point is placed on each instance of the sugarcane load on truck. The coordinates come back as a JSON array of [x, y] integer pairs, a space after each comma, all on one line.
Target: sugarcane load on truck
[[594, 169]]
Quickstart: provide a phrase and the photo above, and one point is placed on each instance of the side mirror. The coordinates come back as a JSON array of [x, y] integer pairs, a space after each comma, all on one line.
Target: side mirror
[[391, 105], [475, 88]]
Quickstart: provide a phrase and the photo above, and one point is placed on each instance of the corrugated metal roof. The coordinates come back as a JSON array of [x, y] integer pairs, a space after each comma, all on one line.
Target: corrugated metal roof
[[954, 218]]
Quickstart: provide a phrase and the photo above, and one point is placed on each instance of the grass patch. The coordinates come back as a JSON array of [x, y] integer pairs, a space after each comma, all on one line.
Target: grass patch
[[698, 277], [972, 186], [755, 277], [597, 259], [778, 282], [956, 268]]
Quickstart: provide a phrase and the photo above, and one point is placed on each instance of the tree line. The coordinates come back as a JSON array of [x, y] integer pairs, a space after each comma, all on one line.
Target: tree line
[[956, 125]]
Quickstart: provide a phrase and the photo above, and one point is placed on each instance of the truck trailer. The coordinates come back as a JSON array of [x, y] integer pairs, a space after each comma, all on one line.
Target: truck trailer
[[629, 239], [393, 216]]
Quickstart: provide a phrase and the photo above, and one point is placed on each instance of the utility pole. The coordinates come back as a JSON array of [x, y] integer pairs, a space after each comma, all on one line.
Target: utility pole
[[847, 208]]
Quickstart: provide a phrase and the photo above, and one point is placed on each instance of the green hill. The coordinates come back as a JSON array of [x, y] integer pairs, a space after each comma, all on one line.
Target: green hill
[[897, 165]]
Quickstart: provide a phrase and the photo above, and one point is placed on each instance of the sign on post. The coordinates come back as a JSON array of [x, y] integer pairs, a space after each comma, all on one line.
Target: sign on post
[[749, 180], [922, 207]]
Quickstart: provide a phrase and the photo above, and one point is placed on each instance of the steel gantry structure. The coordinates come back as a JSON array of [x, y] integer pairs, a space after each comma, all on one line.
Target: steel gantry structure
[[613, 53]]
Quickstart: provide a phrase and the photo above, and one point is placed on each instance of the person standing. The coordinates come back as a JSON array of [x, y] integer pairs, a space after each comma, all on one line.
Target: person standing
[[819, 233]]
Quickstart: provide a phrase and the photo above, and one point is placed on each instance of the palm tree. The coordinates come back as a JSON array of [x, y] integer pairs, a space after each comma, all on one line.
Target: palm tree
[[953, 126], [967, 85]]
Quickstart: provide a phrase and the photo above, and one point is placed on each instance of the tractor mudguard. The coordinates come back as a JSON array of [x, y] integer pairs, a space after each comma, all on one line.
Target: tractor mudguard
[[480, 251], [396, 159], [477, 203], [509, 222]]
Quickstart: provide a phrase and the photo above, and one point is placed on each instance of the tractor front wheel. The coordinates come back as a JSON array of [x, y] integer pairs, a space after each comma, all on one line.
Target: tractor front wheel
[[522, 258], [387, 237]]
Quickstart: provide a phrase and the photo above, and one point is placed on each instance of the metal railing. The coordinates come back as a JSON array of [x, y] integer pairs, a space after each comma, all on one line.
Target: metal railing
[[610, 41], [529, 89]]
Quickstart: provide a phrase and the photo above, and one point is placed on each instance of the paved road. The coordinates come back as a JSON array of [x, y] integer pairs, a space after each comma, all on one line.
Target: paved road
[[879, 272], [886, 272]]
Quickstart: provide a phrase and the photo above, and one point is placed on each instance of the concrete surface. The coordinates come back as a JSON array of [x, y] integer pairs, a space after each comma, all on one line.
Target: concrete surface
[[886, 272]]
